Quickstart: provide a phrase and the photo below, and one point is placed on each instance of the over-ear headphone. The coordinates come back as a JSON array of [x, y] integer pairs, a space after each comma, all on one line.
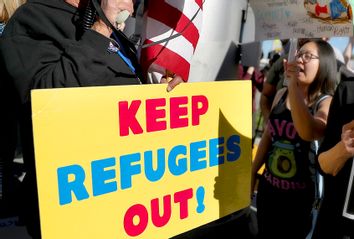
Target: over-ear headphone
[[122, 16]]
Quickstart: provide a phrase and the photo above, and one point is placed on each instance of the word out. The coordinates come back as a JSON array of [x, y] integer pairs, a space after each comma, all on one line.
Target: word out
[[158, 218]]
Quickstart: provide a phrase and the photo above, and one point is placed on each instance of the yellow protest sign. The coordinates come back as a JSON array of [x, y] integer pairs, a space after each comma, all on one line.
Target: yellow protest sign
[[138, 162]]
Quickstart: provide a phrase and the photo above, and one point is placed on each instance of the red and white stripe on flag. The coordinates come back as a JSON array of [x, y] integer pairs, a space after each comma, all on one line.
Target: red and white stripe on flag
[[166, 18]]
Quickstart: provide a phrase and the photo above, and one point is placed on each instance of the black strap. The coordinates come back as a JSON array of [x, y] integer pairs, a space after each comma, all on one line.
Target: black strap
[[130, 49], [120, 34], [319, 100]]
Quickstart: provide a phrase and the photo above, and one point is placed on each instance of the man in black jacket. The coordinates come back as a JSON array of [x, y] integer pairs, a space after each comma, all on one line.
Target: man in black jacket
[[335, 159], [45, 45]]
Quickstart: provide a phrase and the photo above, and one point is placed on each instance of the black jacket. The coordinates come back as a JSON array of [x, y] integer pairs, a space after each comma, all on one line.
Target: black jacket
[[331, 223], [44, 46]]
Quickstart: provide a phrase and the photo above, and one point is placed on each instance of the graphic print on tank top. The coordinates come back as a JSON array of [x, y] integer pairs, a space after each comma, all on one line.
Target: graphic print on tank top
[[287, 163], [282, 160]]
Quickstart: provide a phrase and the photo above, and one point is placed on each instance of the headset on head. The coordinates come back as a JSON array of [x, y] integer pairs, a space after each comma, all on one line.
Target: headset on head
[[89, 18]]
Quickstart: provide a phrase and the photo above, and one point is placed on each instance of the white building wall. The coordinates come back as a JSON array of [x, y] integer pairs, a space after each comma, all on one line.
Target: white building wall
[[214, 57]]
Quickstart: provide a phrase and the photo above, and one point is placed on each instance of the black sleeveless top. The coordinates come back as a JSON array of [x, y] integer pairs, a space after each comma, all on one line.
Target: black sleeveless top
[[288, 166]]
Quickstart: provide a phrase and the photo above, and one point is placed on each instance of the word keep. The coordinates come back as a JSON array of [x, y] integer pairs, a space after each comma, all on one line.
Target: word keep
[[183, 111]]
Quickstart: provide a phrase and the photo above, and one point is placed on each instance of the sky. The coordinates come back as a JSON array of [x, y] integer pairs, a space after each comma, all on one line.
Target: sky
[[338, 42]]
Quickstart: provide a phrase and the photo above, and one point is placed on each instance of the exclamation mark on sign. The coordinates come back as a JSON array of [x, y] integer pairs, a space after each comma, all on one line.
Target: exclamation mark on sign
[[200, 199]]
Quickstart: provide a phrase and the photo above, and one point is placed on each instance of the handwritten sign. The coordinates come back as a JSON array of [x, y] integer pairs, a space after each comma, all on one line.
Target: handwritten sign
[[138, 162], [281, 19]]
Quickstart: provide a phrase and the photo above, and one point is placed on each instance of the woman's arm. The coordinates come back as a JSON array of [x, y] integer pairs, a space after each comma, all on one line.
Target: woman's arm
[[263, 148], [308, 126], [333, 160]]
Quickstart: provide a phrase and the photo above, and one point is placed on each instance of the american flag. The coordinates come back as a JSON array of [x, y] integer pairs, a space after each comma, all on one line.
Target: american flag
[[176, 26]]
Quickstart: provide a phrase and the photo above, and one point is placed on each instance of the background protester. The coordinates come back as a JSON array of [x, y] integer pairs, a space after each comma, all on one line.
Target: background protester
[[348, 52], [257, 79], [273, 81]]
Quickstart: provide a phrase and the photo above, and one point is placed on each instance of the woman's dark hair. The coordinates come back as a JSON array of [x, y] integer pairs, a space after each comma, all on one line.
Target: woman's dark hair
[[325, 80]]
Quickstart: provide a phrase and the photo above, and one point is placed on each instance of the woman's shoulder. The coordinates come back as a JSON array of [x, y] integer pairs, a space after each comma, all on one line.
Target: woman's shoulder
[[322, 100], [279, 95]]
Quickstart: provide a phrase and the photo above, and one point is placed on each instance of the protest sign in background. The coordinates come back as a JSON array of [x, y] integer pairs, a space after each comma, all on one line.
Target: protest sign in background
[[282, 19], [138, 162]]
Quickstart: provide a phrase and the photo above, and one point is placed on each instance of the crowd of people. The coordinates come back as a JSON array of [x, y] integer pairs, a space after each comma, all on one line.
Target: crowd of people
[[56, 49]]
